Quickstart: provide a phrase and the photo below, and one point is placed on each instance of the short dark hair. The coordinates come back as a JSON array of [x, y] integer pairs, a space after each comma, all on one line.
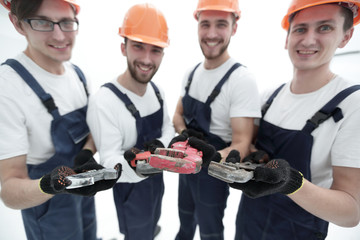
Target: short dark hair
[[349, 18], [345, 12], [25, 8]]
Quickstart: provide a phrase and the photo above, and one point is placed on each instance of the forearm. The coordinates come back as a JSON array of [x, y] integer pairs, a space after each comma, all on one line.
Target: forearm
[[19, 193], [178, 119], [242, 132], [90, 144], [336, 206], [179, 123]]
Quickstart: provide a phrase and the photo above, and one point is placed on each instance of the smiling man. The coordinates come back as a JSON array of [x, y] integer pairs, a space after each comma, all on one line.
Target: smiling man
[[43, 132], [310, 128], [130, 112], [219, 101]]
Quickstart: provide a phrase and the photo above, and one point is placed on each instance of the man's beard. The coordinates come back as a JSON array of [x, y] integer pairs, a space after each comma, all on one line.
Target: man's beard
[[212, 57], [137, 78]]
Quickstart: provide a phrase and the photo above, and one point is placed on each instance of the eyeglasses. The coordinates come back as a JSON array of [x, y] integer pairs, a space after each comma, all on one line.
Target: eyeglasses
[[43, 25]]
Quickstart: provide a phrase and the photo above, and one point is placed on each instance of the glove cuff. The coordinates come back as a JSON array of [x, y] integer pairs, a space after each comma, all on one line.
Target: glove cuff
[[296, 181], [44, 185]]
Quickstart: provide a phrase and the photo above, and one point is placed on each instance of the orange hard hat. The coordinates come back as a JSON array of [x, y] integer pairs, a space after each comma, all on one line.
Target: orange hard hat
[[218, 5], [76, 5], [297, 5], [7, 4], [144, 23]]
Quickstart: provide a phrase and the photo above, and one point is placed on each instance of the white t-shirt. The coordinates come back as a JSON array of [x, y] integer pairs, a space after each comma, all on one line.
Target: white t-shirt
[[24, 120], [114, 128], [238, 97], [335, 144]]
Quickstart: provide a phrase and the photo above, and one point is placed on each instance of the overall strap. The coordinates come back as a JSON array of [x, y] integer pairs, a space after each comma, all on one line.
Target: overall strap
[[329, 110], [217, 88], [268, 103], [157, 92], [124, 98], [187, 87], [45, 98], [82, 78]]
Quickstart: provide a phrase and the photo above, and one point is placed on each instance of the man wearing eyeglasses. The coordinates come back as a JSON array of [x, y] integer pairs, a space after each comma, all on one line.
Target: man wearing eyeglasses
[[43, 132]]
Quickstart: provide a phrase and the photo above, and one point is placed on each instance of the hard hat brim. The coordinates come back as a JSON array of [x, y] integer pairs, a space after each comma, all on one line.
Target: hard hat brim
[[285, 21]]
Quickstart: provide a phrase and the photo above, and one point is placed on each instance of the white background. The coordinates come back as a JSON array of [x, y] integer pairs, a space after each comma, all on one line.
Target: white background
[[258, 44]]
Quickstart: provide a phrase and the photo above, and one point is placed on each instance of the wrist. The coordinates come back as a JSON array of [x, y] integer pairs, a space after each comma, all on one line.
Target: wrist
[[296, 182], [88, 151], [182, 130], [43, 185]]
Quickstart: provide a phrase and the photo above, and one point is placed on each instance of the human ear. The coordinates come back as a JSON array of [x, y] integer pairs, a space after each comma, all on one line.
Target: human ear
[[17, 24], [347, 36], [123, 49]]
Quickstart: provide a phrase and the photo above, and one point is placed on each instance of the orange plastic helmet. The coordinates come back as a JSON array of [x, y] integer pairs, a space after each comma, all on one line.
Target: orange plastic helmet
[[144, 23], [76, 5], [7, 4], [297, 5], [218, 5]]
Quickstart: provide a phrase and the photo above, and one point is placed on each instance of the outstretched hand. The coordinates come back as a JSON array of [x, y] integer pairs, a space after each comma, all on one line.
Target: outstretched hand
[[56, 182], [277, 176]]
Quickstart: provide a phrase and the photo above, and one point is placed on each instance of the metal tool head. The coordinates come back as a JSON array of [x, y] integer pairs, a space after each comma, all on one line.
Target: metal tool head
[[233, 172], [90, 177]]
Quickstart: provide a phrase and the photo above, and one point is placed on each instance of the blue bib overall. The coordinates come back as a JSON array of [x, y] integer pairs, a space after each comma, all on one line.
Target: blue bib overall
[[65, 216], [202, 198], [138, 205], [277, 217]]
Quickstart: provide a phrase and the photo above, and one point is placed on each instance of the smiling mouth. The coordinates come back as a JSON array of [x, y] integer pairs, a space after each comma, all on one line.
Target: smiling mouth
[[212, 44], [306, 52], [59, 47], [144, 68]]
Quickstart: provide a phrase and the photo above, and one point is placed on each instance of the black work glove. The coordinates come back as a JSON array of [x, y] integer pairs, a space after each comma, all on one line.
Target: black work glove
[[189, 132], [185, 134], [258, 156], [275, 177], [129, 155], [178, 138], [56, 182], [209, 152], [233, 156], [152, 145]]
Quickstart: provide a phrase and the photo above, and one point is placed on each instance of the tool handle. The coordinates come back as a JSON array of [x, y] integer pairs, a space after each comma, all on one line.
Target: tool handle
[[141, 156]]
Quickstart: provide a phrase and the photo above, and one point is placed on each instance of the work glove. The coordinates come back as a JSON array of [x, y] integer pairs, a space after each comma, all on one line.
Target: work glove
[[130, 155], [185, 134], [56, 182], [209, 152], [233, 156], [257, 156], [152, 145], [178, 138], [189, 132], [276, 176]]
